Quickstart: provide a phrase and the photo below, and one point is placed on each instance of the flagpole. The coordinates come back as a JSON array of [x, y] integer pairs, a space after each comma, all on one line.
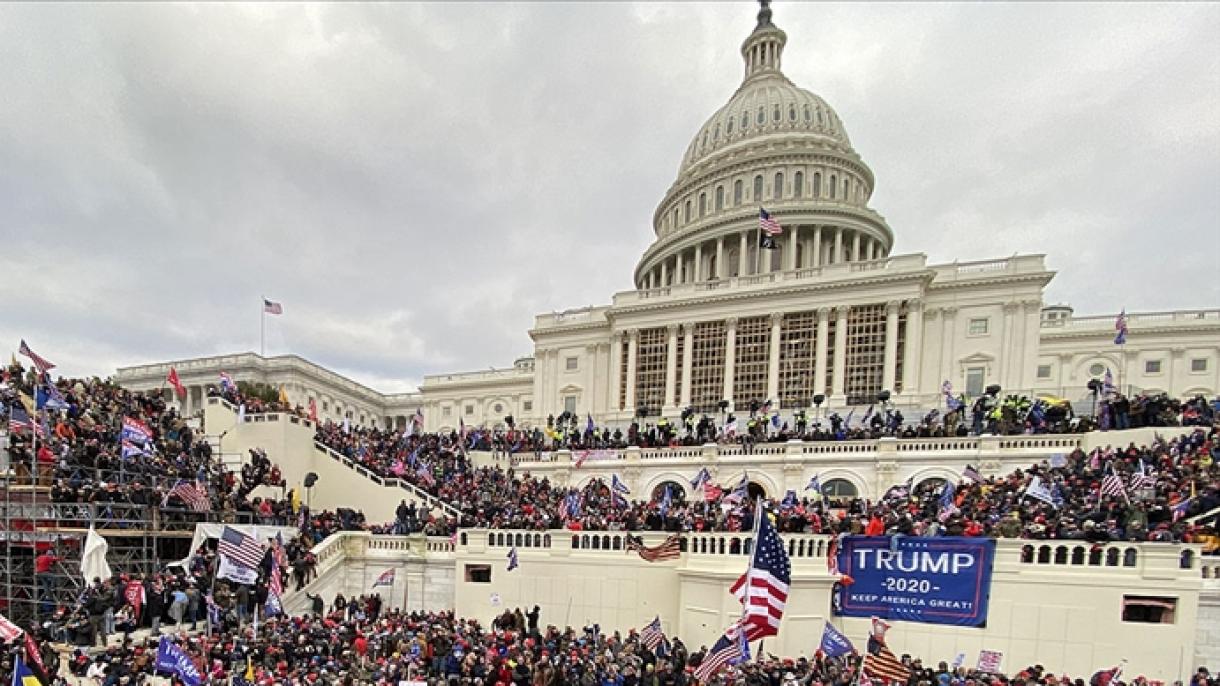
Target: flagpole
[[262, 328]]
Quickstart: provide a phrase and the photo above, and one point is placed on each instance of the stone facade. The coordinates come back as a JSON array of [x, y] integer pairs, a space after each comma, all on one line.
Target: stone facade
[[830, 312]]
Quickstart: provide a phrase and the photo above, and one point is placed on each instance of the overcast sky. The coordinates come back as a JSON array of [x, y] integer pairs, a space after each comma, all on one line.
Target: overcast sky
[[415, 182]]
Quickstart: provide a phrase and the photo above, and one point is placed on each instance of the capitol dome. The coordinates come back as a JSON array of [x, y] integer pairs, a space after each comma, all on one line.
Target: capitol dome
[[776, 147]]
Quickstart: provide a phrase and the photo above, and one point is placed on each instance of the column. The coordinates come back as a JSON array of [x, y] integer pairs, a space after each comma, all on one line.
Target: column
[[671, 364], [698, 271], [876, 250], [773, 360], [890, 363], [730, 356], [633, 341], [1007, 336], [948, 323], [743, 254], [688, 341], [913, 353], [722, 269], [838, 253], [794, 235], [664, 272], [616, 370], [589, 394], [840, 361], [817, 247], [855, 246], [823, 337]]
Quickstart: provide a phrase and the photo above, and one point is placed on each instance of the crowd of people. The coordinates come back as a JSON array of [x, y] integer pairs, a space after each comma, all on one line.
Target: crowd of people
[[358, 641], [1163, 485]]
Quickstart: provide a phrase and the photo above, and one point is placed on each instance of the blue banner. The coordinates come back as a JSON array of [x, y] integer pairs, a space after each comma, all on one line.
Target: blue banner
[[172, 659], [943, 580]]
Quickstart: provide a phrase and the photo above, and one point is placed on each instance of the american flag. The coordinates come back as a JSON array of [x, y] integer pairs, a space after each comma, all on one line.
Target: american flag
[[272, 307], [726, 651], [386, 578], [1120, 327], [240, 548], [763, 589], [1142, 479], [740, 491], [768, 224], [670, 549], [42, 363], [832, 556], [881, 663], [618, 486], [195, 497], [652, 635], [1112, 484], [19, 420], [226, 382], [972, 474], [701, 478], [8, 630]]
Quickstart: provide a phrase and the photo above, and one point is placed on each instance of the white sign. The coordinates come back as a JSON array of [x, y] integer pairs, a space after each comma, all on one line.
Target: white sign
[[989, 661], [495, 600]]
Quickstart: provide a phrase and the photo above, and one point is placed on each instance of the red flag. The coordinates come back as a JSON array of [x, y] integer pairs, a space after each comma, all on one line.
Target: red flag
[[313, 409], [135, 595], [34, 655], [173, 380]]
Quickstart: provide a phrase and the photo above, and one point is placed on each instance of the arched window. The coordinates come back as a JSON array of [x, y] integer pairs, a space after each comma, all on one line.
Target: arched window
[[755, 490], [819, 117], [791, 112], [716, 133], [711, 267], [807, 114], [686, 214], [798, 184], [775, 113], [817, 185], [846, 189], [719, 197], [777, 191], [839, 489], [745, 120], [757, 188], [702, 204], [675, 224], [737, 192], [728, 127], [762, 115], [834, 182], [734, 261], [676, 492]]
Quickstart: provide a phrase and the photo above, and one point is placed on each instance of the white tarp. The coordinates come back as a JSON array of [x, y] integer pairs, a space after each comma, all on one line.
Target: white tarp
[[93, 563], [209, 530]]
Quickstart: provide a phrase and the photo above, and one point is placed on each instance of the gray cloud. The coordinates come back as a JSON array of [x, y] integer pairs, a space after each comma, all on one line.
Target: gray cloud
[[415, 182]]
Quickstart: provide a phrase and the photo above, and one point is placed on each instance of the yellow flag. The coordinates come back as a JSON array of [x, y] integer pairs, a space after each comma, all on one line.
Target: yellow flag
[[284, 396], [249, 676], [27, 402], [296, 500]]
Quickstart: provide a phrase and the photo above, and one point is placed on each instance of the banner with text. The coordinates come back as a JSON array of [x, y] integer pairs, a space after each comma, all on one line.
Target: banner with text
[[931, 580]]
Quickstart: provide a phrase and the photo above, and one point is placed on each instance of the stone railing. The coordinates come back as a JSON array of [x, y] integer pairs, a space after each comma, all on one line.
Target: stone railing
[[1136, 320], [981, 446]]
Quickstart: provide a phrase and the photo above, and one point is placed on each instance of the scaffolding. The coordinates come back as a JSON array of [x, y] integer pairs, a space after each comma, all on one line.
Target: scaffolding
[[141, 540]]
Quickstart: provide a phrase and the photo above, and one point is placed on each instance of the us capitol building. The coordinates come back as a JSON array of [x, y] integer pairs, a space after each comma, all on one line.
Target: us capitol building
[[832, 313]]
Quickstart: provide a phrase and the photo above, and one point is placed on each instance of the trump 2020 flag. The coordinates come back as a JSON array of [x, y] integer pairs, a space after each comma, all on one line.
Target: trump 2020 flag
[[512, 559], [834, 643], [172, 659]]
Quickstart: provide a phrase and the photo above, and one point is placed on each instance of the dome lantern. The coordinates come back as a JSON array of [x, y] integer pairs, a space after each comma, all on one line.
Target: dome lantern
[[764, 47]]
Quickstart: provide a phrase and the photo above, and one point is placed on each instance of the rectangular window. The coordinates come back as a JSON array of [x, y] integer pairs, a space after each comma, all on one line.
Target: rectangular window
[[1198, 364], [1152, 366], [1044, 371], [974, 381], [571, 363], [445, 411], [797, 359], [977, 326], [569, 403], [750, 366], [650, 353], [865, 353], [707, 366], [478, 574], [470, 409], [1149, 609], [527, 406]]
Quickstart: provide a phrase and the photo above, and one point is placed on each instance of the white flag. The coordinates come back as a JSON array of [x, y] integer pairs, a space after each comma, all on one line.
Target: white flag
[[236, 572], [93, 563]]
